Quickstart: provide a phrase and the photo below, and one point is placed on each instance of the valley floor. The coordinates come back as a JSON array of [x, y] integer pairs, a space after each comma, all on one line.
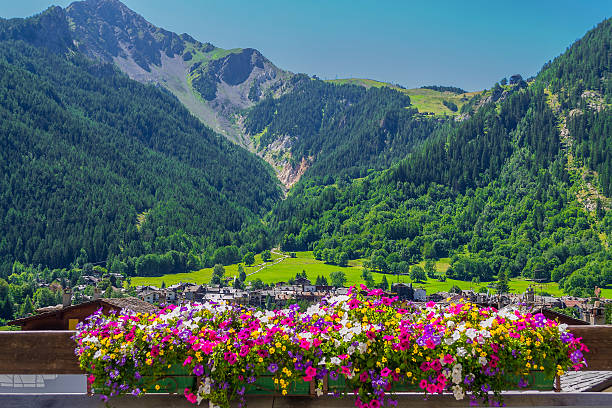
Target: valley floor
[[283, 268]]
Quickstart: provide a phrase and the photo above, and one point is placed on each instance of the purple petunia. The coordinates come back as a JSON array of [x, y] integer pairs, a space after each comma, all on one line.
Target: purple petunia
[[576, 356], [273, 368], [198, 369]]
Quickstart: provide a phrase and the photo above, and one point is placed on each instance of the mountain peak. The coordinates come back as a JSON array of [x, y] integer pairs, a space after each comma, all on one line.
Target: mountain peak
[[107, 29], [47, 29]]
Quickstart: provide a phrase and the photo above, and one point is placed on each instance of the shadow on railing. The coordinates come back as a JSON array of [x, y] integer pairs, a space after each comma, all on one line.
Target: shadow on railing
[[52, 352]]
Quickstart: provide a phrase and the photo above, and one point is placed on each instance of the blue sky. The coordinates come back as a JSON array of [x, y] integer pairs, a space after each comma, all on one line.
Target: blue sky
[[470, 44]]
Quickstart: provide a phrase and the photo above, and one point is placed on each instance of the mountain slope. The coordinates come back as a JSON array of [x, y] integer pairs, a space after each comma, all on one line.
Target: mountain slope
[[330, 132], [497, 193], [86, 150], [213, 83], [439, 101]]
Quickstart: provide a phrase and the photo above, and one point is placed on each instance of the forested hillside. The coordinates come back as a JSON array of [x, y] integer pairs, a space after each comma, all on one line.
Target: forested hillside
[[213, 83], [339, 131], [498, 193], [95, 161], [96, 168]]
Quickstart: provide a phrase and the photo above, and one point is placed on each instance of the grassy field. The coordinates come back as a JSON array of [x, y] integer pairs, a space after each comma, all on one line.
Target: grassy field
[[304, 261], [425, 100]]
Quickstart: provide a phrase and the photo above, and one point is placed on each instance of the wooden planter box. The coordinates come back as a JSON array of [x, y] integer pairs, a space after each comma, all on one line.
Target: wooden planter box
[[178, 379]]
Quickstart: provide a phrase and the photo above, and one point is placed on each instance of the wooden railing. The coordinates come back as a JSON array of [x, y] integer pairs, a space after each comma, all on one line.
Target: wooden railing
[[52, 352]]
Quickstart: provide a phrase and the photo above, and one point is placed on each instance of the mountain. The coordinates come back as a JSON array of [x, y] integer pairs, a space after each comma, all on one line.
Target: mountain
[[327, 131], [103, 162], [93, 162], [236, 91], [213, 83], [519, 187]]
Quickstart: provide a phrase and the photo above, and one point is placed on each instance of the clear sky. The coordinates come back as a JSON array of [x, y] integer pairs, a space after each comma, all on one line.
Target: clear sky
[[470, 44]]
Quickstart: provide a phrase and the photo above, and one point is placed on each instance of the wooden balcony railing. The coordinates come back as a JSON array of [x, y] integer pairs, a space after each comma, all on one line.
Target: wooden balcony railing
[[52, 352]]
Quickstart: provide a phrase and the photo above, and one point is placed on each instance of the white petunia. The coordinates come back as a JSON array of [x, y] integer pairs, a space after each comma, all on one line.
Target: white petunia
[[458, 392]]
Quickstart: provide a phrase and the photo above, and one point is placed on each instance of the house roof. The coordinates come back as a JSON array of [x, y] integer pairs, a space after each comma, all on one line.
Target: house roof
[[132, 303], [562, 318]]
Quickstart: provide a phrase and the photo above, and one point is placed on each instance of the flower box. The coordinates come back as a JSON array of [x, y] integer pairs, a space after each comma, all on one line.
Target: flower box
[[221, 352]]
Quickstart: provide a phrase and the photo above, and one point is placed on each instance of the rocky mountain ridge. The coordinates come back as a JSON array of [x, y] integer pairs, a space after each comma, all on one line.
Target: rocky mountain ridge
[[213, 83]]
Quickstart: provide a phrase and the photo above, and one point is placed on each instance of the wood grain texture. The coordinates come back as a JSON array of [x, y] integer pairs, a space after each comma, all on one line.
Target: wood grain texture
[[511, 399], [599, 341], [52, 352], [38, 352]]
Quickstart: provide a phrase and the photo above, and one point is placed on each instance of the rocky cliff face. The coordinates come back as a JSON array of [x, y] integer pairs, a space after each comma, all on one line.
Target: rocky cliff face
[[213, 83]]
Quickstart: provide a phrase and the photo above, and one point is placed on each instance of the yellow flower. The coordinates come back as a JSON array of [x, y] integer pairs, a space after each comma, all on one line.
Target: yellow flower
[[408, 374], [149, 361], [157, 387], [284, 392]]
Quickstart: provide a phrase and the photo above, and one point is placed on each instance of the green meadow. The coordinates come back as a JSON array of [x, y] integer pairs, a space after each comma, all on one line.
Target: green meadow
[[304, 261], [425, 100]]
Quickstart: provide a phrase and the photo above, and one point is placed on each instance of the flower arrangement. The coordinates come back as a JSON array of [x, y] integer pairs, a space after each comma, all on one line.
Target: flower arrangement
[[375, 343]]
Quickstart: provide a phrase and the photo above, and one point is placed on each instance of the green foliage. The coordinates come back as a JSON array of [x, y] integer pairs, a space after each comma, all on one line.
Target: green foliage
[[455, 289], [86, 150], [450, 105], [349, 129], [217, 276], [439, 88], [249, 258], [417, 273], [367, 277], [502, 282], [337, 278], [257, 284], [266, 256], [321, 281], [491, 192]]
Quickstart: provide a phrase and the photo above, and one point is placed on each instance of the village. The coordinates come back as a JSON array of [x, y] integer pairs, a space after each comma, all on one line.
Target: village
[[301, 291]]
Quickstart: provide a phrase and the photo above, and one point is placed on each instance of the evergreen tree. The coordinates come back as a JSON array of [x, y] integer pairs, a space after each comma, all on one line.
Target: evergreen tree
[[502, 282], [384, 285]]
